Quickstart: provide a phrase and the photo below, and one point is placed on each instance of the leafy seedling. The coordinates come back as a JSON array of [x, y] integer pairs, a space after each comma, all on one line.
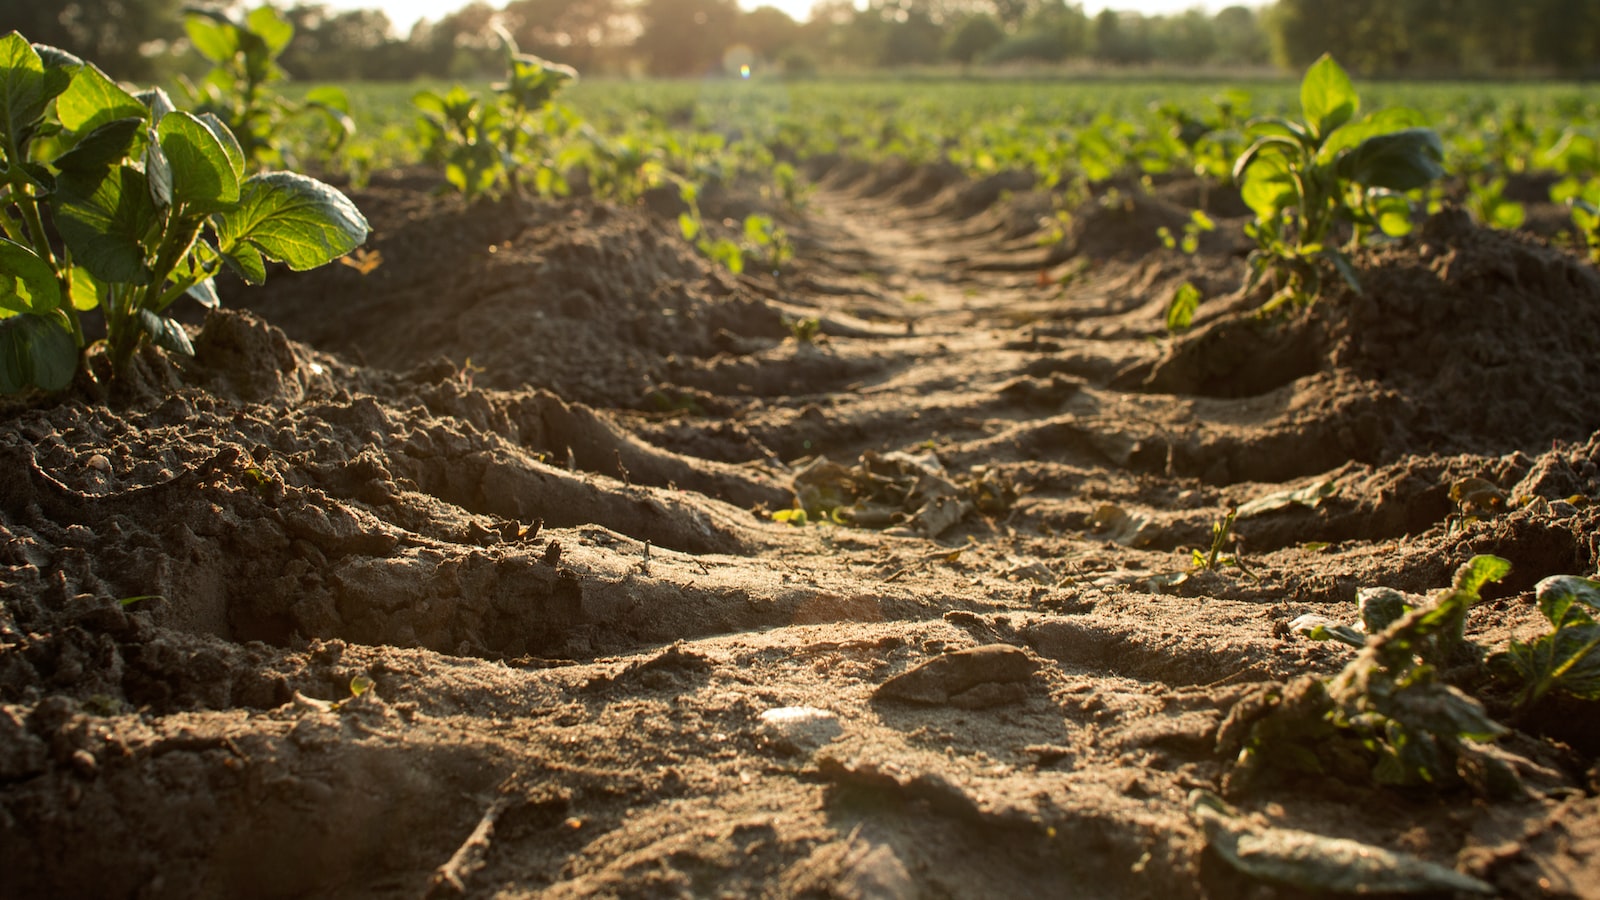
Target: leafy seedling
[[1215, 557], [238, 90], [1199, 223], [1387, 715], [1310, 180], [148, 203], [1565, 660], [488, 146], [804, 329], [1475, 500], [1181, 308]]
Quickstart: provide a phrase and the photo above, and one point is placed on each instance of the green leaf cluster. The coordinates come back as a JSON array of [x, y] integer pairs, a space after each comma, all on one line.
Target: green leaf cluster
[[148, 202], [1319, 187], [1388, 715], [1565, 659], [1583, 199], [239, 87], [489, 146]]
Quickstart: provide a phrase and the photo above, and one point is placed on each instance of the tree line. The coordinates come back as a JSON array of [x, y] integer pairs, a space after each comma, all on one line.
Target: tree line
[[143, 39]]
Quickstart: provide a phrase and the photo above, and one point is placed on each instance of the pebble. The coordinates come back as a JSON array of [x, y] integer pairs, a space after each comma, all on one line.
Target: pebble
[[799, 730]]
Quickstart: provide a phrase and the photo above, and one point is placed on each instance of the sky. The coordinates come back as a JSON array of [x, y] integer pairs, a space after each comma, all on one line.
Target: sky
[[405, 13]]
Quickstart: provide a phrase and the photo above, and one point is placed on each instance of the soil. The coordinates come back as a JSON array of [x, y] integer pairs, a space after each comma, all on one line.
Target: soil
[[458, 577]]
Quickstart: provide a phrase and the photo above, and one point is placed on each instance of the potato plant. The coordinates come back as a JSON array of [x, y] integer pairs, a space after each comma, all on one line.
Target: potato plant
[[1321, 185], [148, 202], [244, 56], [490, 145]]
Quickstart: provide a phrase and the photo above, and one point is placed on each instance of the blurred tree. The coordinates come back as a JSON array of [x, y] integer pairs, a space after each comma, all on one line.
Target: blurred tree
[[1241, 38], [576, 32], [975, 36], [686, 37], [458, 45], [768, 31], [339, 46], [1053, 32], [123, 37], [1188, 38]]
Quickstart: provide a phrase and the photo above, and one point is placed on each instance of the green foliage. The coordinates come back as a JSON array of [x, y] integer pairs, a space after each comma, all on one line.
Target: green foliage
[[1563, 660], [1309, 180], [1214, 558], [1181, 308], [1583, 198], [148, 202], [238, 90], [1198, 224], [489, 146], [1487, 201], [1387, 714]]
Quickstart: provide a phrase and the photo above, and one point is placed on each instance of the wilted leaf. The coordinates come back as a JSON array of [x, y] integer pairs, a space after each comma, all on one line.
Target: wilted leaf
[[1314, 862], [1310, 496]]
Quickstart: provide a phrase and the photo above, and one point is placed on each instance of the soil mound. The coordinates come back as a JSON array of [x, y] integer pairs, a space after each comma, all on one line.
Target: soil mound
[[1492, 339], [587, 300]]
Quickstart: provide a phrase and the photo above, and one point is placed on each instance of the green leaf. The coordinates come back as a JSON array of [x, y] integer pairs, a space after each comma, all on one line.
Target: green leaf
[[1383, 121], [27, 283], [1268, 186], [203, 177], [93, 99], [205, 294], [1399, 161], [330, 97], [212, 35], [1327, 97], [274, 29], [106, 220], [689, 226], [24, 89], [88, 292], [165, 333], [1479, 571], [158, 173], [157, 102], [1566, 659], [292, 218], [1380, 607], [246, 262], [229, 143], [1392, 212], [1181, 309], [36, 351], [106, 146]]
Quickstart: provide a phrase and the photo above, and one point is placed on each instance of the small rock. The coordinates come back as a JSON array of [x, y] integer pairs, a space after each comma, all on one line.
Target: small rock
[[799, 729], [974, 678]]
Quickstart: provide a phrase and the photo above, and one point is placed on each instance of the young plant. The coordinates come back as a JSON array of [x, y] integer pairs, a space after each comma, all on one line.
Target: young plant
[[1213, 558], [1487, 202], [1199, 223], [1321, 186], [1583, 198], [244, 57], [1182, 307], [723, 251], [1564, 660], [1387, 714], [490, 146], [768, 242], [148, 202]]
